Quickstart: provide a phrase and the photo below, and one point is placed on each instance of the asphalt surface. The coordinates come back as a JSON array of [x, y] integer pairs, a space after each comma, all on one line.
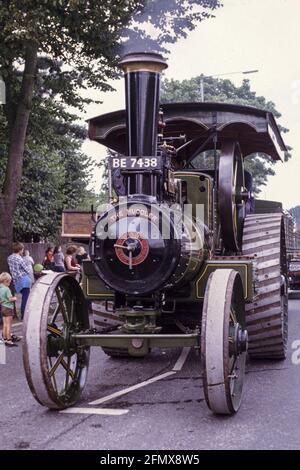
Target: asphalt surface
[[168, 414]]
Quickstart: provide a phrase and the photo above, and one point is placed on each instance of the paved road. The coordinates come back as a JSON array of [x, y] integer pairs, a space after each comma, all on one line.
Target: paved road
[[167, 414]]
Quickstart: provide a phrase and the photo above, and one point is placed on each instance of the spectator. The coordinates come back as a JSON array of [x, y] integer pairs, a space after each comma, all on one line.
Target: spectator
[[81, 255], [70, 263], [20, 274], [29, 261], [48, 262], [59, 265], [7, 301]]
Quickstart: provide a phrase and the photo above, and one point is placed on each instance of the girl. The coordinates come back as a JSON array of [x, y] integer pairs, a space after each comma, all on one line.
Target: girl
[[70, 263], [7, 303]]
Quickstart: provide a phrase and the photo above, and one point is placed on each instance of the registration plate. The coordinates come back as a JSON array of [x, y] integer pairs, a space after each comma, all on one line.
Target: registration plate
[[135, 163]]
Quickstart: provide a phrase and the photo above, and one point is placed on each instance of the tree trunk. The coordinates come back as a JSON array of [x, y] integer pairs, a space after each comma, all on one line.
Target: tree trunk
[[6, 234], [13, 174]]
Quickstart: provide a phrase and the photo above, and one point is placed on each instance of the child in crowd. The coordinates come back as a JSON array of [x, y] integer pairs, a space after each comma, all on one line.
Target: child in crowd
[[81, 255], [7, 306], [59, 264], [29, 261]]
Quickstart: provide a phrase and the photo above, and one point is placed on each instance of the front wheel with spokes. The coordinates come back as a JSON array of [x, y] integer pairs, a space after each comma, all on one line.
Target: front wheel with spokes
[[55, 366], [224, 341]]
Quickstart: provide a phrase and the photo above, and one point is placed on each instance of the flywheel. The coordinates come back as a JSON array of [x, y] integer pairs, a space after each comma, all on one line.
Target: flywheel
[[232, 195]]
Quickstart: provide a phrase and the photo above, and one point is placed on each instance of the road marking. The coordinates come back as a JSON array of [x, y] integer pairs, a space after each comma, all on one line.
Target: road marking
[[181, 360], [17, 324], [177, 367], [95, 411], [131, 389], [115, 412]]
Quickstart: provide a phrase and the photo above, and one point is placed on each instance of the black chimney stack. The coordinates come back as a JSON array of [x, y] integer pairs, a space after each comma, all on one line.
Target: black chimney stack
[[142, 81]]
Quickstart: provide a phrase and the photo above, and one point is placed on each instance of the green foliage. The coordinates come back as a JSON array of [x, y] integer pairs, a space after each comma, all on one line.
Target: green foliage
[[88, 36], [84, 34], [53, 179], [79, 43], [55, 171], [169, 20], [224, 91]]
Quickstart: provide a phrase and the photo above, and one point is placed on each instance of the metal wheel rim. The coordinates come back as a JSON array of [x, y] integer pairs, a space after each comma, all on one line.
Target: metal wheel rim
[[223, 377], [41, 373], [231, 206]]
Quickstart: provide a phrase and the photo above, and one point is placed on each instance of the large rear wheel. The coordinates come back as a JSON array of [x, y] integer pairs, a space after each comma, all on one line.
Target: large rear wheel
[[223, 341], [267, 314], [56, 368], [232, 195]]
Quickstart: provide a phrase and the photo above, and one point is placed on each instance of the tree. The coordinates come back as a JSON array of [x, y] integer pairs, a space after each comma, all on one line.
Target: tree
[[86, 36], [219, 90], [55, 171]]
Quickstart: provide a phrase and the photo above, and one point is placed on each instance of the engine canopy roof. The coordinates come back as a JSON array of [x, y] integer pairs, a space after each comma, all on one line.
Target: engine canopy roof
[[256, 130]]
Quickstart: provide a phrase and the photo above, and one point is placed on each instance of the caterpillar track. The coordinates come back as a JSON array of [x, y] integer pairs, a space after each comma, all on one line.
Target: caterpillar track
[[267, 315]]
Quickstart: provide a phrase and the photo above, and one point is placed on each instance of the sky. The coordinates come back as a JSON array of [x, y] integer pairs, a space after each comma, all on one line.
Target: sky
[[244, 35]]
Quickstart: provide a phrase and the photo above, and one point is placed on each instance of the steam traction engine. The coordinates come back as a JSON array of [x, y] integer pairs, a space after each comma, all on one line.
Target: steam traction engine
[[182, 257]]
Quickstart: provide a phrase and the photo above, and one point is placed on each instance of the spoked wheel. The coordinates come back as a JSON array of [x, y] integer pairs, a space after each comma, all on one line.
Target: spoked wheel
[[224, 341], [56, 368], [232, 195]]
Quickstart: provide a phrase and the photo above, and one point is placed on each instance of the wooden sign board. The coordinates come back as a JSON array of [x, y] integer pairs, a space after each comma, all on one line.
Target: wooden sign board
[[77, 224]]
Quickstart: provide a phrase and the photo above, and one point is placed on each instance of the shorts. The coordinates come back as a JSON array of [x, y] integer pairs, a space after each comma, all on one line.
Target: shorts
[[7, 312]]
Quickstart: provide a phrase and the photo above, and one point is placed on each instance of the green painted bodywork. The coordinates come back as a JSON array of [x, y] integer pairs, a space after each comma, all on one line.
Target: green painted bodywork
[[199, 193], [93, 287], [147, 341], [187, 297], [243, 266]]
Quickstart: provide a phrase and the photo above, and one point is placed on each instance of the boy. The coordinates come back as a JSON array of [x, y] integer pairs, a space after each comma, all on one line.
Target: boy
[[7, 307]]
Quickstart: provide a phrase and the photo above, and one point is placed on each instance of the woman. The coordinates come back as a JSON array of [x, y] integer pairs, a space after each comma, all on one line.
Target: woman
[[59, 265], [20, 273], [48, 262], [70, 263]]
